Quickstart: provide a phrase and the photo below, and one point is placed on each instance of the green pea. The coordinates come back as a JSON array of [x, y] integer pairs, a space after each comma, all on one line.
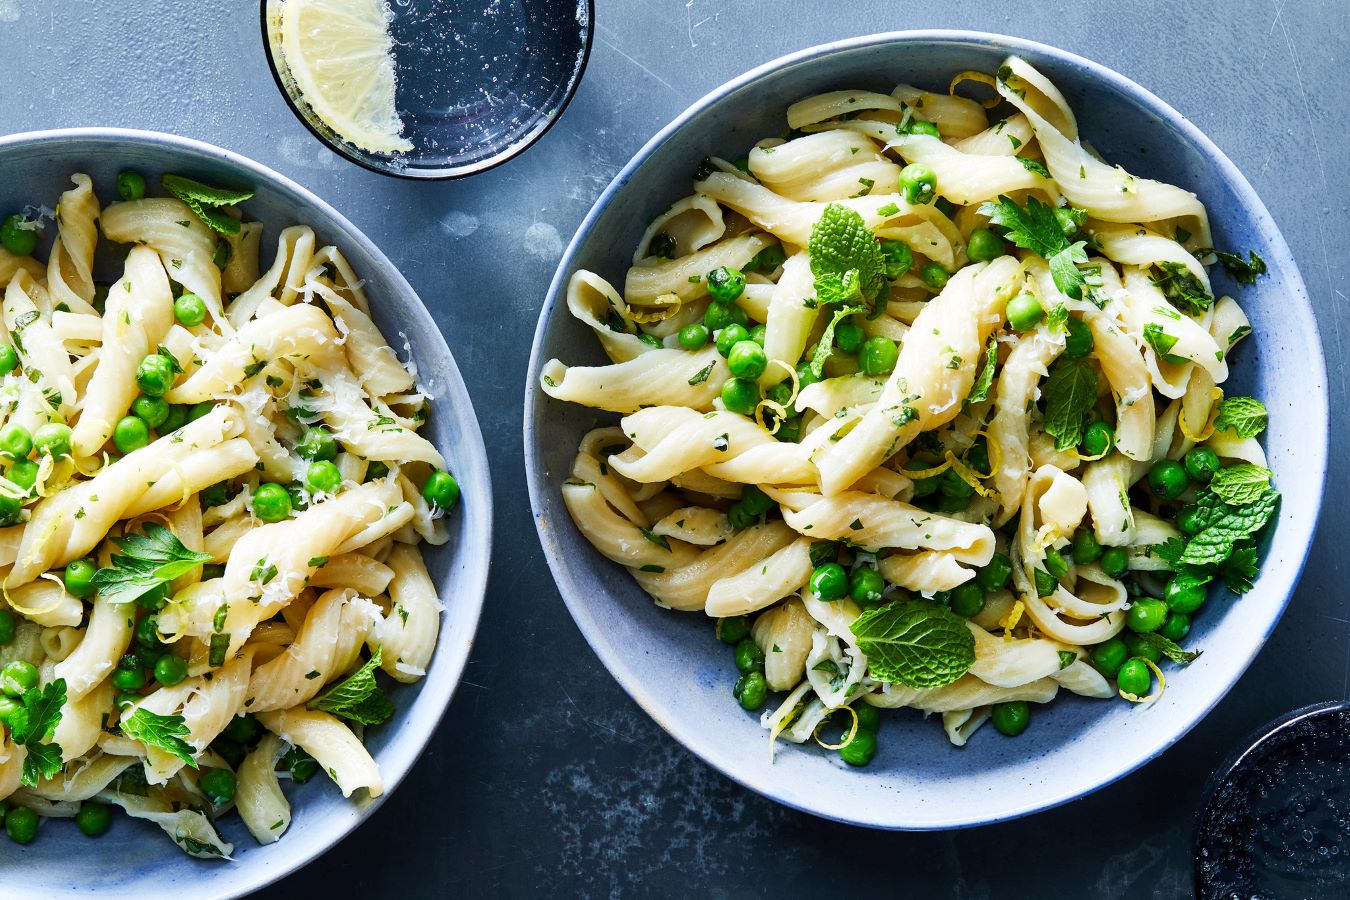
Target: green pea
[[130, 185], [934, 275], [725, 283], [994, 576], [147, 633], [918, 126], [130, 433], [53, 439], [869, 717], [865, 586], [441, 490], [154, 411], [1145, 615], [968, 599], [790, 431], [1055, 563], [128, 679], [740, 395], [983, 245], [299, 764], [154, 375], [17, 678], [878, 355], [323, 476], [918, 184], [23, 472], [860, 750], [769, 259], [317, 443], [1189, 519], [1085, 547], [79, 577], [951, 484], [17, 236], [10, 508], [750, 690], [730, 336], [740, 516], [218, 785], [733, 629], [1078, 342], [694, 336], [1024, 312], [650, 340], [1177, 626], [780, 393], [9, 360], [21, 823], [124, 700], [749, 658], [805, 376], [755, 500], [189, 310], [93, 818], [200, 409], [1134, 678], [747, 360], [176, 418], [1108, 656], [1115, 561], [271, 503], [759, 334], [1098, 439], [849, 336], [829, 582], [155, 598], [1011, 718], [8, 625], [1184, 595], [15, 441], [899, 258], [242, 729], [720, 314], [1201, 463], [923, 486], [1141, 648], [950, 505], [1167, 479], [11, 711]]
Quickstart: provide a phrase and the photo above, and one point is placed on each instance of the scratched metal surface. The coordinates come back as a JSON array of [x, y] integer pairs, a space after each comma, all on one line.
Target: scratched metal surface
[[544, 777]]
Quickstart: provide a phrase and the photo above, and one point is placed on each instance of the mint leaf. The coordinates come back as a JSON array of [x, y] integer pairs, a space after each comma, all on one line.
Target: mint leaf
[[203, 200], [146, 562], [1240, 270], [1035, 228], [357, 697], [1169, 648], [1243, 416], [979, 391], [1162, 343], [161, 732], [1070, 391], [1223, 525], [825, 346], [846, 259], [915, 643], [1240, 484], [1181, 288]]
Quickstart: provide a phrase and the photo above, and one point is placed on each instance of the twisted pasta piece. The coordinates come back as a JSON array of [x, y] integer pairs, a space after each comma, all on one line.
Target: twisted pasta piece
[[332, 745]]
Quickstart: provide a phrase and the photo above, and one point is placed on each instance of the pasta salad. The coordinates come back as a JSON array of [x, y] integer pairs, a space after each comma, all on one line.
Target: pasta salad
[[921, 405], [212, 503]]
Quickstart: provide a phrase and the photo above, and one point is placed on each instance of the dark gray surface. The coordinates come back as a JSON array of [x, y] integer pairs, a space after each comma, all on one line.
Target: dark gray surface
[[544, 777]]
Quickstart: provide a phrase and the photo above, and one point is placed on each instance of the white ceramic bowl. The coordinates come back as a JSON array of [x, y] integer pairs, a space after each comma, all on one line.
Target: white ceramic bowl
[[135, 859], [671, 664]]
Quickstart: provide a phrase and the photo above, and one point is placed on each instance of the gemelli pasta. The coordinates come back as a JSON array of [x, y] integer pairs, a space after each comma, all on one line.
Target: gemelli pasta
[[213, 497], [921, 402]]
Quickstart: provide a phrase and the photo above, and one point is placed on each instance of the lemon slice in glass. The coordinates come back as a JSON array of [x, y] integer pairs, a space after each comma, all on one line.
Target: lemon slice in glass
[[341, 56]]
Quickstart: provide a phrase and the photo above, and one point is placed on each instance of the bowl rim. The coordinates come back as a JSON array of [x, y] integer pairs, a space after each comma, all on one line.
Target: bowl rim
[[443, 173], [576, 596], [449, 662]]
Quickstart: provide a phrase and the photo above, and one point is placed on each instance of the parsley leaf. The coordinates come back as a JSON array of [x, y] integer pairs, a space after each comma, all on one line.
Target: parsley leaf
[[204, 200], [915, 643], [1162, 343], [357, 697], [1243, 271], [1033, 166], [1181, 288], [161, 732], [1244, 416], [1240, 568], [32, 724], [846, 259], [1070, 391], [1038, 229], [1240, 484], [41, 761], [979, 391], [146, 562]]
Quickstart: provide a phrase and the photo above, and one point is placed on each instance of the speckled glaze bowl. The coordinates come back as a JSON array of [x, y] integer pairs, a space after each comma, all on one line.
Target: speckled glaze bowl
[[135, 860], [671, 664]]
